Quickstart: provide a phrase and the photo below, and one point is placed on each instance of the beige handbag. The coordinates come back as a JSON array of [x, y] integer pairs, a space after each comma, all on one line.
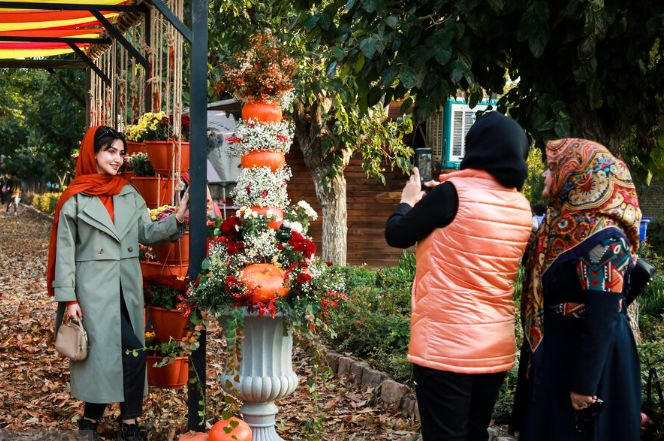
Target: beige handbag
[[72, 340]]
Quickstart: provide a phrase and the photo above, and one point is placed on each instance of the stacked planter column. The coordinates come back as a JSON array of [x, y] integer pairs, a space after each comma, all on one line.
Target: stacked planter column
[[266, 372]]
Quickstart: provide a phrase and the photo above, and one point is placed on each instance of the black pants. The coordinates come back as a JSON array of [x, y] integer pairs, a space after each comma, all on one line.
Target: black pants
[[133, 373], [455, 407]]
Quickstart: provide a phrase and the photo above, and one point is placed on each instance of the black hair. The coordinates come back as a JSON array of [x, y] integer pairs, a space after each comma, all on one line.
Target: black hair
[[105, 136]]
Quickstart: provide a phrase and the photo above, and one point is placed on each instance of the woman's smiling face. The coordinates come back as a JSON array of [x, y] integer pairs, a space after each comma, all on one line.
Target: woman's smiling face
[[110, 158]]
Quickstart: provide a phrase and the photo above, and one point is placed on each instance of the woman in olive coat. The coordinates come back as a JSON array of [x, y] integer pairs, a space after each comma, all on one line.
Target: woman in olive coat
[[94, 274]]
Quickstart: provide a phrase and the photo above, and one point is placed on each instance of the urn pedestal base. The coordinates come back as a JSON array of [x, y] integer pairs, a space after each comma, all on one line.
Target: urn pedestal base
[[266, 373]]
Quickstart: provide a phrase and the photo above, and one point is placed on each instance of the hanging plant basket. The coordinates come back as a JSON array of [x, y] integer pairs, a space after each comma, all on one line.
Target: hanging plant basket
[[150, 269], [260, 111], [264, 158], [163, 156], [275, 224], [173, 253], [156, 191], [168, 323], [171, 375]]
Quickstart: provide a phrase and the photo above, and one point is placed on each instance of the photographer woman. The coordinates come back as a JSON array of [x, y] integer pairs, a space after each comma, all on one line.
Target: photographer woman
[[471, 231], [579, 371], [94, 274]]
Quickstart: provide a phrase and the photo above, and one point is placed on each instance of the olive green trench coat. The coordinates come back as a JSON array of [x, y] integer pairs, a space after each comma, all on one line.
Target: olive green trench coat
[[96, 261]]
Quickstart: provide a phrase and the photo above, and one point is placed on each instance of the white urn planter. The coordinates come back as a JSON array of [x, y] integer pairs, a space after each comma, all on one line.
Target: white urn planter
[[266, 373]]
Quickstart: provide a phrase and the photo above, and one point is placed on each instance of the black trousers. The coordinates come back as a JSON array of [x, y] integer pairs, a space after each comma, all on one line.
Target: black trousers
[[133, 373], [455, 407]]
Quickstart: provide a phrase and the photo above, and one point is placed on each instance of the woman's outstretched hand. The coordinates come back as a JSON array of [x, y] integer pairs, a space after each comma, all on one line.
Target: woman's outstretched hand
[[183, 208], [412, 192]]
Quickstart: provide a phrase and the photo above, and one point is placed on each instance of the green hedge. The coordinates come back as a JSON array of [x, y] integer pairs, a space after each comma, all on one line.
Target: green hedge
[[46, 202], [374, 324]]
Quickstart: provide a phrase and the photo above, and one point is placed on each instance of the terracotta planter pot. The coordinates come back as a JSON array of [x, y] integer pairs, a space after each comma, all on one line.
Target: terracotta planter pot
[[163, 154], [127, 175], [275, 224], [264, 158], [159, 269], [173, 253], [266, 280], [263, 112], [172, 375], [135, 147], [168, 323], [156, 191]]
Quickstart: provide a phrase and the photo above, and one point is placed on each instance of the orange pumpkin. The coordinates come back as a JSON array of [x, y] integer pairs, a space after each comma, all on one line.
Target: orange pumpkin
[[276, 223], [266, 280], [264, 158], [236, 430], [263, 112], [194, 436]]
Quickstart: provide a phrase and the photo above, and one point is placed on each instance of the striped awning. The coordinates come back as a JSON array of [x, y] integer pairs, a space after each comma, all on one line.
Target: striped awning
[[35, 32]]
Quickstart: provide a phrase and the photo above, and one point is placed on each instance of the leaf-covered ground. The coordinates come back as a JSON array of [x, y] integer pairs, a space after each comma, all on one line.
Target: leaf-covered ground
[[34, 391]]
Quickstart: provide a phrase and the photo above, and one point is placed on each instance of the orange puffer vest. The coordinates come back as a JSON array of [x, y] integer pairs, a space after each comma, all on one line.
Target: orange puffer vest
[[463, 310]]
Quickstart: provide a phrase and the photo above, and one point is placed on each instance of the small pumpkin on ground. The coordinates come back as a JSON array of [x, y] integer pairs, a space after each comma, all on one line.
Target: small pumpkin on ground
[[233, 429]]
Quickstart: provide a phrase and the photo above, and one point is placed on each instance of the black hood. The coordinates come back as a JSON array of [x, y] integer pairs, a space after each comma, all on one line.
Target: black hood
[[498, 144]]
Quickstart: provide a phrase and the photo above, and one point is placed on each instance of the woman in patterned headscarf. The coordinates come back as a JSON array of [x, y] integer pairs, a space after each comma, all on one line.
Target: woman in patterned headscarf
[[578, 346]]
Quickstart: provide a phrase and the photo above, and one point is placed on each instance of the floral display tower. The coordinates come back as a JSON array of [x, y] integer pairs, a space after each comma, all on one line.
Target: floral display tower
[[261, 277]]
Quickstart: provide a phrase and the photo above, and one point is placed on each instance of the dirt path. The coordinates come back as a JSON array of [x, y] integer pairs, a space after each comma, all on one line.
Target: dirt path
[[34, 392]]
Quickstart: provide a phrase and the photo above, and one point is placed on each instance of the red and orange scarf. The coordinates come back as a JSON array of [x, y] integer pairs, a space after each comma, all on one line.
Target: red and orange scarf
[[87, 180], [592, 190]]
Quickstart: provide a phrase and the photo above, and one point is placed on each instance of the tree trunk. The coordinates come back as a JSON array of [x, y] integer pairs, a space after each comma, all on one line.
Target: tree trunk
[[332, 199], [329, 181]]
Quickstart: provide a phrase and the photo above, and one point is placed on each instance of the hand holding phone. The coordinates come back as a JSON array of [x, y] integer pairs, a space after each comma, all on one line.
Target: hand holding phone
[[424, 163], [585, 418]]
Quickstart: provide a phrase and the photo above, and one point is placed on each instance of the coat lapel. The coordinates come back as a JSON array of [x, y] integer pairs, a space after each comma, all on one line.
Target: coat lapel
[[126, 214], [95, 214]]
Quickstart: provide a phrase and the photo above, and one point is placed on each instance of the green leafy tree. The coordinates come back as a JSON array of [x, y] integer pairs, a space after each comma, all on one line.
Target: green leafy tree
[[40, 123], [330, 126], [590, 68]]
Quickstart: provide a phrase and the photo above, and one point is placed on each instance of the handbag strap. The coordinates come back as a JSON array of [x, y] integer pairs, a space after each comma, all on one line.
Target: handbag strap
[[653, 380]]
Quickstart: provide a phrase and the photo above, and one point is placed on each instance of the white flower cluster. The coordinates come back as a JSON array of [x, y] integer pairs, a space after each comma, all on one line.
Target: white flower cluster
[[248, 213], [253, 135], [287, 99], [310, 212], [294, 225], [259, 186], [261, 246]]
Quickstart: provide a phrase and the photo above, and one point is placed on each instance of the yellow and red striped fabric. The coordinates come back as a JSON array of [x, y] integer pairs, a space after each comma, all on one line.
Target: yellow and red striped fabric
[[16, 22]]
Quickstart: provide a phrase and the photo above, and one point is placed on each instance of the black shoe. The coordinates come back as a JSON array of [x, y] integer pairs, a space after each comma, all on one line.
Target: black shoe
[[129, 432], [88, 428]]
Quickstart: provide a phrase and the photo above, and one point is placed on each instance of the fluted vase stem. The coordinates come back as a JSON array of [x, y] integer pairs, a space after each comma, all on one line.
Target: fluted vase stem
[[266, 373]]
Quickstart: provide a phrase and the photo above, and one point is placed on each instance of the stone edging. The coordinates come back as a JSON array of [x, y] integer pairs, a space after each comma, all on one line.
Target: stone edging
[[392, 393]]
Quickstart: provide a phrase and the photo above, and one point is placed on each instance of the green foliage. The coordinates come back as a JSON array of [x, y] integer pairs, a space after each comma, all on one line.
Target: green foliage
[[655, 236], [590, 69], [374, 323], [40, 124], [46, 202], [534, 185], [330, 126]]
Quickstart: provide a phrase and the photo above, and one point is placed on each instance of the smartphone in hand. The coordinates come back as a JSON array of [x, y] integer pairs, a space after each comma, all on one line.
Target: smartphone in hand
[[424, 163]]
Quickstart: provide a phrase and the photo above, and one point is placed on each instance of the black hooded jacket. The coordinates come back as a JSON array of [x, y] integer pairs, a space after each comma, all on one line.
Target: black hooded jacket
[[495, 143]]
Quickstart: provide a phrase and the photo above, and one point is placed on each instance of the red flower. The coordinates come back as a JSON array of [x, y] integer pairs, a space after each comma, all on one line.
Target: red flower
[[303, 278], [282, 138], [185, 122], [264, 193], [234, 140], [232, 282], [228, 227]]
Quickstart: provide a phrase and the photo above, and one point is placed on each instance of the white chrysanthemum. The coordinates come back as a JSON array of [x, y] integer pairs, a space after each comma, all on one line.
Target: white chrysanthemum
[[310, 212], [261, 245], [293, 225]]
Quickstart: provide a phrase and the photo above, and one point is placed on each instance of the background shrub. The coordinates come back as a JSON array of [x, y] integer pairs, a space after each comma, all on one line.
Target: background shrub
[[46, 202]]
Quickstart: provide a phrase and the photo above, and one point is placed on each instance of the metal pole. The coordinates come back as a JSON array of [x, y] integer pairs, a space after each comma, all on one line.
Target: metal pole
[[198, 193]]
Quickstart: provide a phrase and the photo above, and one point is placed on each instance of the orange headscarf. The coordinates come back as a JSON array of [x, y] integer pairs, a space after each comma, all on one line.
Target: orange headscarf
[[87, 180]]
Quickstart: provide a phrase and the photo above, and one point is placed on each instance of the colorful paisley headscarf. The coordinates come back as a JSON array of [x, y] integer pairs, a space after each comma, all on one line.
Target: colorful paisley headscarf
[[591, 191]]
